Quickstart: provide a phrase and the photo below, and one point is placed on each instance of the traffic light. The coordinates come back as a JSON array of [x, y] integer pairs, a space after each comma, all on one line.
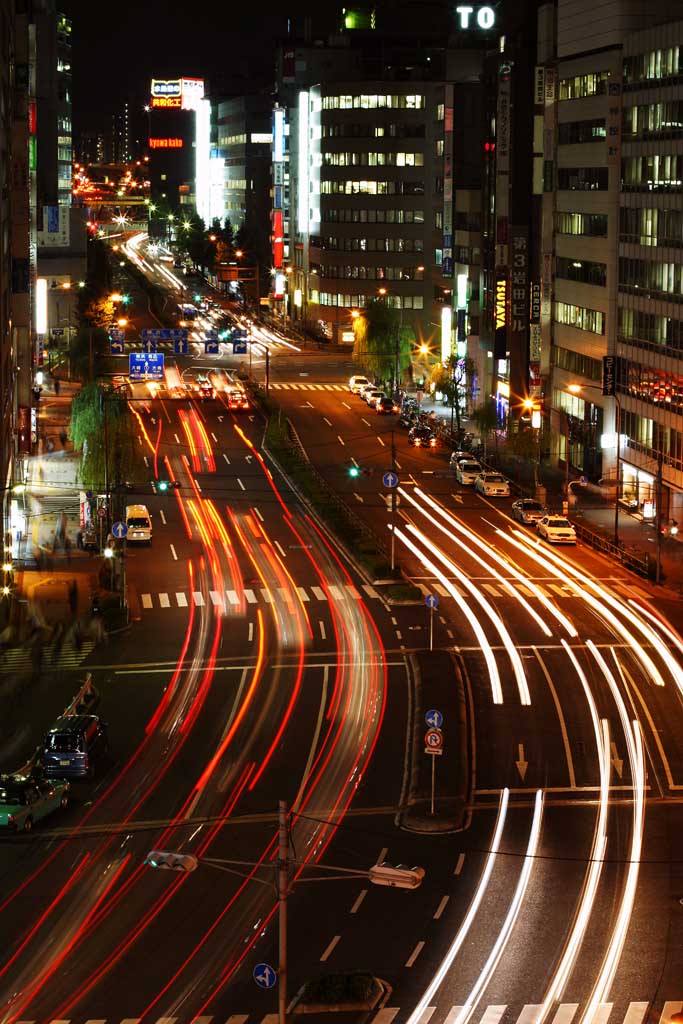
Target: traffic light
[[167, 485], [125, 299], [354, 471], [169, 861]]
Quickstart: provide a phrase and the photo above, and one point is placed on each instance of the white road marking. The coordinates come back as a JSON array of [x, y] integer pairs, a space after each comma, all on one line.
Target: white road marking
[[565, 1013], [320, 594], [397, 464], [280, 548], [250, 596], [240, 483], [237, 1018], [352, 591], [266, 596], [361, 896], [382, 855], [458, 866], [251, 631], [363, 420], [214, 437], [164, 601], [602, 1012], [358, 497], [339, 438], [216, 598], [346, 406], [492, 1014], [181, 599], [381, 441], [441, 907], [198, 598], [327, 421], [232, 597], [146, 461], [177, 439], [162, 516], [146, 600], [370, 591], [259, 514], [427, 1014], [302, 594], [415, 954], [173, 552], [323, 634], [529, 1014], [386, 1015], [330, 948], [226, 458], [453, 1014], [669, 1010]]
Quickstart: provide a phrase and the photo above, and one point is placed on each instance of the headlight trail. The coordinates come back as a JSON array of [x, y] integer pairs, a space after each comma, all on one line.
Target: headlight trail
[[466, 546], [508, 924], [490, 611], [482, 639], [598, 605], [596, 864], [472, 538], [455, 947], [634, 745]]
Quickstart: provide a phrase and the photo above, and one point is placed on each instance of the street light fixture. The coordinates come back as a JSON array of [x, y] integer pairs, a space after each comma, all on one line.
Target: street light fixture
[[576, 389]]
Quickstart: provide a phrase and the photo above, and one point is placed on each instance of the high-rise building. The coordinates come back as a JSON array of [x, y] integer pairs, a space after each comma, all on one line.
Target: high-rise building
[[120, 133], [610, 104], [7, 190]]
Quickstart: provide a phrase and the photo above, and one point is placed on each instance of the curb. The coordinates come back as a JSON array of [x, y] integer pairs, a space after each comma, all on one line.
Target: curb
[[384, 993]]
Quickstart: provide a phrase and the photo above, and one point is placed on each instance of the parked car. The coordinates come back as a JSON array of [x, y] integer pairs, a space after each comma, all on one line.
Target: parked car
[[556, 530], [527, 510], [24, 800], [422, 437], [457, 457], [467, 472], [385, 406], [492, 485], [372, 395], [74, 747], [357, 383]]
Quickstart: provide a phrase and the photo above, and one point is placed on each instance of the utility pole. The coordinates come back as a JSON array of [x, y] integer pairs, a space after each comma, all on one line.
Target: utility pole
[[267, 370], [282, 892], [658, 517], [393, 505], [618, 471]]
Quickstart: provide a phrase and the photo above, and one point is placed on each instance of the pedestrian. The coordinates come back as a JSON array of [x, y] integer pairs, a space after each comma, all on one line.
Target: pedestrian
[[67, 549], [50, 446], [56, 380], [73, 597], [63, 437]]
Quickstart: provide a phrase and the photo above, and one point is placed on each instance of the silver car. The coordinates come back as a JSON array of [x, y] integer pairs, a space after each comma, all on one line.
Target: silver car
[[528, 510], [492, 485], [467, 472]]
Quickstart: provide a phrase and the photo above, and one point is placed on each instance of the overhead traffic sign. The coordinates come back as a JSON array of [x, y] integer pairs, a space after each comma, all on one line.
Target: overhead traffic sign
[[239, 348], [146, 366], [239, 334], [390, 480], [181, 346], [211, 347], [119, 530], [264, 975], [116, 348], [434, 719], [432, 600]]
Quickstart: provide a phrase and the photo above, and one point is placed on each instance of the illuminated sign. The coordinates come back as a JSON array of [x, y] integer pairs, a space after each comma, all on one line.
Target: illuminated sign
[[278, 135], [303, 200], [165, 143], [484, 16], [446, 328], [163, 87], [192, 92], [501, 301], [278, 239], [500, 314], [166, 101], [41, 305], [279, 286]]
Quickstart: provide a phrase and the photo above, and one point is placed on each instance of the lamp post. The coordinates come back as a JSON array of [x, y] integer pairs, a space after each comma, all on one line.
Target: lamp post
[[575, 389]]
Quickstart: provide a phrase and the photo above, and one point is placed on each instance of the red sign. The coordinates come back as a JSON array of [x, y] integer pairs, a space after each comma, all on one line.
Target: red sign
[[166, 101], [24, 429], [278, 239], [165, 143], [32, 119]]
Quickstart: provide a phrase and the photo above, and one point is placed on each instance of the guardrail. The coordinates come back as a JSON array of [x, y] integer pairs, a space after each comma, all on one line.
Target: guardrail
[[629, 559]]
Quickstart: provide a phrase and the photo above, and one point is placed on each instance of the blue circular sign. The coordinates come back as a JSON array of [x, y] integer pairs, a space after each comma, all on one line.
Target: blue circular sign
[[264, 975], [390, 480], [432, 600], [119, 530], [434, 719]]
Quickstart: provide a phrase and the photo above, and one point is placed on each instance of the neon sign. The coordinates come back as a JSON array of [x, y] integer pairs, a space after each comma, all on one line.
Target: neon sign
[[166, 101], [165, 143], [485, 16], [164, 87], [501, 299]]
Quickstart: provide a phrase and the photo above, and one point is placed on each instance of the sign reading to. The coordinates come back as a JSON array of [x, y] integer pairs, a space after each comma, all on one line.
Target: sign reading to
[[483, 17]]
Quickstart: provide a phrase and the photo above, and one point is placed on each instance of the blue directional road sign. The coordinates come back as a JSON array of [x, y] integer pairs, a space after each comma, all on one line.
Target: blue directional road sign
[[239, 348], [434, 719], [432, 600], [264, 976], [390, 480], [180, 346], [211, 348], [239, 335], [116, 347], [149, 344], [146, 366], [119, 530]]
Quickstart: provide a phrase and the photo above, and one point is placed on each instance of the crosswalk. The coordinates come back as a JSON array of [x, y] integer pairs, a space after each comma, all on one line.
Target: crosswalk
[[18, 659], [642, 1012], [312, 595], [297, 386]]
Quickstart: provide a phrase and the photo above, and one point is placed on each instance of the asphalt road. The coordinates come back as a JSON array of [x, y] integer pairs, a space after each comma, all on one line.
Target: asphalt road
[[265, 667]]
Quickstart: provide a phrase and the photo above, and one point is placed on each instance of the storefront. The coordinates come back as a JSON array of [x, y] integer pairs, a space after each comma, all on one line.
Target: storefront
[[638, 491]]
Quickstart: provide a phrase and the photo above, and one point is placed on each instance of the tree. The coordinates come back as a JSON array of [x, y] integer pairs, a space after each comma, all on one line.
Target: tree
[[85, 348], [382, 341], [485, 417], [525, 443], [102, 429], [451, 378]]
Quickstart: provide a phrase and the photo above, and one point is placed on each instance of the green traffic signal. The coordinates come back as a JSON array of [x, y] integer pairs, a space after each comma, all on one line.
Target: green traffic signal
[[162, 485], [354, 471], [125, 299]]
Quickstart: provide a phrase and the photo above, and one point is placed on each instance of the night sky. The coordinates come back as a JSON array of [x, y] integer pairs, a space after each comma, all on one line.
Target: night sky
[[114, 58]]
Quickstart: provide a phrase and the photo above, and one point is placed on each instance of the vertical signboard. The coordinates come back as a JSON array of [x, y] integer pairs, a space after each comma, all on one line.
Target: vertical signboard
[[609, 375], [503, 163], [500, 315], [519, 310], [614, 92]]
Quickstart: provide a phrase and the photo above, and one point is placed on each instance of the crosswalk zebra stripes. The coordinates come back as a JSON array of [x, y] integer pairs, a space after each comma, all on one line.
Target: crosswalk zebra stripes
[[313, 594], [296, 386], [18, 659], [642, 1012]]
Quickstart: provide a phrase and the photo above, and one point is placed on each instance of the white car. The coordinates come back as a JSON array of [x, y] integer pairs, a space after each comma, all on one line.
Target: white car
[[556, 530], [357, 383], [492, 485], [467, 472], [372, 396]]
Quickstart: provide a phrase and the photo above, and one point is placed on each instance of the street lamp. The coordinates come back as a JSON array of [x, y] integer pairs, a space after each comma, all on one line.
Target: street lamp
[[576, 389]]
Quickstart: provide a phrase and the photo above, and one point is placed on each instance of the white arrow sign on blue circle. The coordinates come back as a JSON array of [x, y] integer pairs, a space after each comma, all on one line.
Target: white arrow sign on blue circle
[[432, 600], [390, 480], [434, 719], [119, 530], [264, 975]]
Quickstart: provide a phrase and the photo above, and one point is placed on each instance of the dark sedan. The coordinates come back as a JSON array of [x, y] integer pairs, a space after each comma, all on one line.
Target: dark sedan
[[422, 437], [385, 406]]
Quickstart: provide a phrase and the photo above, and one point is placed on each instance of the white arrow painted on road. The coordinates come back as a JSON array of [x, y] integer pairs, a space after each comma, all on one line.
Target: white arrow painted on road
[[617, 761], [458, 497], [220, 419], [248, 458], [522, 765]]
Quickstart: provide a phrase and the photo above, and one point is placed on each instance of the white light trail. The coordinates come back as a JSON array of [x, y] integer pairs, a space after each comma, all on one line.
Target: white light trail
[[511, 918], [456, 945], [494, 675], [488, 608]]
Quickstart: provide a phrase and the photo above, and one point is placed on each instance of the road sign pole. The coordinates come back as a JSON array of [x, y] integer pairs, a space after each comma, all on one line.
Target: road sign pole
[[431, 631], [393, 505], [433, 776], [283, 886]]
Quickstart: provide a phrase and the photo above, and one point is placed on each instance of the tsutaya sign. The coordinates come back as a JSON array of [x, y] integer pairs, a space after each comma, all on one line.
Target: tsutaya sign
[[483, 17]]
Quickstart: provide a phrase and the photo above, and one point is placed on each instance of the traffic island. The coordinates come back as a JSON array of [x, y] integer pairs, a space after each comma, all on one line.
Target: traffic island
[[345, 992], [440, 755]]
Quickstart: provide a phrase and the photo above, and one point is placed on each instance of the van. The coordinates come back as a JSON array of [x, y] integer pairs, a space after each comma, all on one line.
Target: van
[[139, 524], [74, 747], [357, 383]]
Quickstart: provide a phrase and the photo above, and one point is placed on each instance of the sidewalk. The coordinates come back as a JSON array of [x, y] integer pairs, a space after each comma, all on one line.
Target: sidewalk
[[587, 507]]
